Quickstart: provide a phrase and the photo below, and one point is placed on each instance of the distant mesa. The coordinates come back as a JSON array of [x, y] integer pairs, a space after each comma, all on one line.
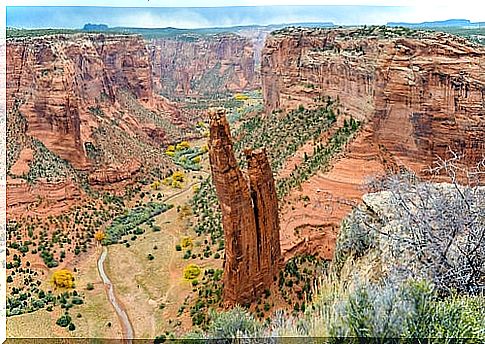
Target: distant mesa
[[95, 27], [441, 23]]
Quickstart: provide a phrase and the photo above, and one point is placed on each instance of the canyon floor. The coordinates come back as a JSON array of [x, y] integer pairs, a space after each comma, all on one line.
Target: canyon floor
[[142, 286]]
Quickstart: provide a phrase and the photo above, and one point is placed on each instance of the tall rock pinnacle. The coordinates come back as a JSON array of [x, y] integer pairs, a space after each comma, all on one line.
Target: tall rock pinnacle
[[249, 215]]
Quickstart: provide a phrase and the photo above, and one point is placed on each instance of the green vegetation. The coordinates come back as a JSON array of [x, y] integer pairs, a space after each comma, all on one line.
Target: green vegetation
[[373, 290], [209, 296], [185, 156], [322, 154], [17, 33], [282, 136], [30, 298], [127, 224], [52, 239], [412, 310], [295, 281]]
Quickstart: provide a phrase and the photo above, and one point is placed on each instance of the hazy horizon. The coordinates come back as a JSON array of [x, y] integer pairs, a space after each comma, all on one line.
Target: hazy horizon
[[74, 17]]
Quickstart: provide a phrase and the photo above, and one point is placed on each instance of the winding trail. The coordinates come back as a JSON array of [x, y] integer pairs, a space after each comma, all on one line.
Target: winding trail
[[126, 326]]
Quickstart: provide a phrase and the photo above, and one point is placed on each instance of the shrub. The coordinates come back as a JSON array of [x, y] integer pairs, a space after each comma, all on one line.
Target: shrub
[[64, 320], [434, 230], [240, 96], [178, 247], [155, 185], [178, 176], [63, 279], [355, 239], [99, 235], [183, 145], [191, 271], [236, 323], [160, 339], [89, 286], [77, 301], [186, 242]]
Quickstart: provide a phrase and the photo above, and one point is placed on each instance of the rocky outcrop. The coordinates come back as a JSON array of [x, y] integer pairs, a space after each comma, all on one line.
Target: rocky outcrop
[[115, 174], [203, 65], [249, 215], [416, 93], [47, 197], [67, 86], [82, 104], [420, 93]]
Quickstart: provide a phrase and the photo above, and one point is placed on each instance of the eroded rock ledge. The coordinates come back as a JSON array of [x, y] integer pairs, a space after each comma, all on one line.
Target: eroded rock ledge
[[249, 215]]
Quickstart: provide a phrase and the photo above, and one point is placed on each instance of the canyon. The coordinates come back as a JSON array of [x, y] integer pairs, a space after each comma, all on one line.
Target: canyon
[[199, 65], [420, 92], [418, 95], [85, 102], [91, 103], [249, 215], [110, 143]]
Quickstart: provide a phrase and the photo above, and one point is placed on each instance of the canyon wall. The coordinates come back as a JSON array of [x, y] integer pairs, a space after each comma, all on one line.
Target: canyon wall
[[197, 65], [70, 87], [249, 216], [83, 103], [416, 93], [420, 93]]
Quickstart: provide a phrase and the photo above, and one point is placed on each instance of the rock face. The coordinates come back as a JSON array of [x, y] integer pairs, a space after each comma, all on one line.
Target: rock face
[[115, 174], [416, 94], [65, 86], [49, 198], [82, 103], [420, 93], [249, 215], [203, 65]]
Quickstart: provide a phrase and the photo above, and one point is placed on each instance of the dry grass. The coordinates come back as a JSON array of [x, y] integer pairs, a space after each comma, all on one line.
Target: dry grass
[[96, 311], [142, 284], [20, 326]]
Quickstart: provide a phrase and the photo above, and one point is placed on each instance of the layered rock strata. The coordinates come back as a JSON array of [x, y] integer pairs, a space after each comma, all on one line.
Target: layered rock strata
[[69, 86], [203, 65], [416, 93], [249, 215], [420, 92], [82, 103]]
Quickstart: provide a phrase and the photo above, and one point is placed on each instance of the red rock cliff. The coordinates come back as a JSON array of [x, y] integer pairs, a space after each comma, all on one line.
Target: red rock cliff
[[65, 86], [420, 93], [188, 66], [249, 216]]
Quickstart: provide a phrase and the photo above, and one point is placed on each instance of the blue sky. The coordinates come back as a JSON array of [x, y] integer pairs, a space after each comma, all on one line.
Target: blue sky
[[192, 17]]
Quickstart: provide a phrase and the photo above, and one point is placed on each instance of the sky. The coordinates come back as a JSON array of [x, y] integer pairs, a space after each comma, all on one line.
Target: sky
[[161, 13]]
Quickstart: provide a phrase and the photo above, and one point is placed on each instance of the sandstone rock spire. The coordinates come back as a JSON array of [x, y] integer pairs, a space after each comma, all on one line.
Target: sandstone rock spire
[[249, 215]]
